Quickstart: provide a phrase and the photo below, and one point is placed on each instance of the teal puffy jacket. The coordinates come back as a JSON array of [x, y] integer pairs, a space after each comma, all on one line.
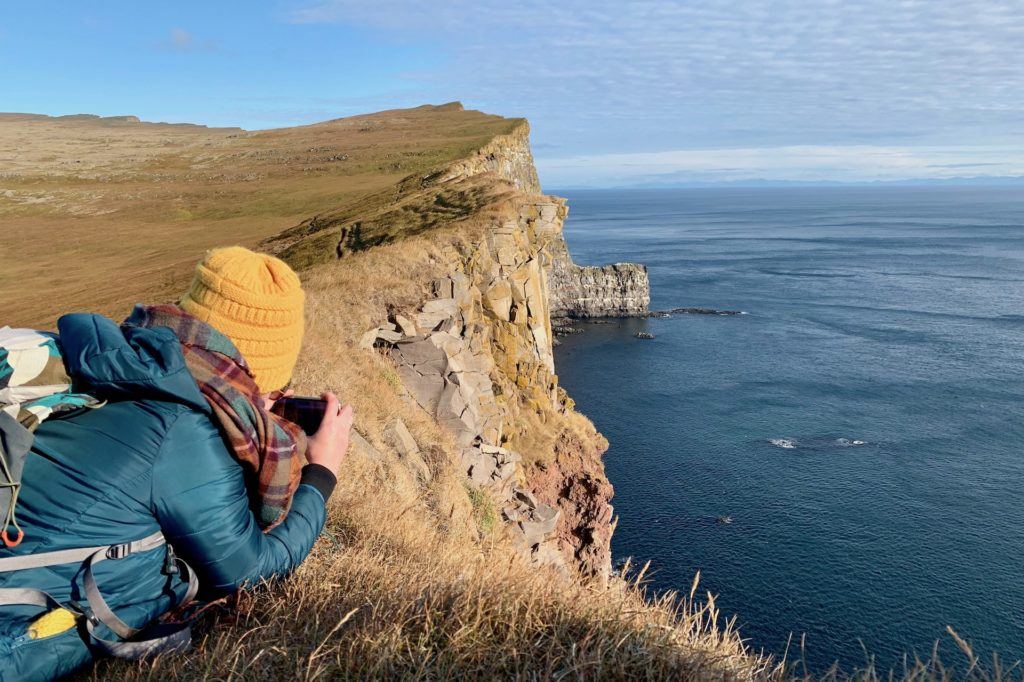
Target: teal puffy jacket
[[152, 459]]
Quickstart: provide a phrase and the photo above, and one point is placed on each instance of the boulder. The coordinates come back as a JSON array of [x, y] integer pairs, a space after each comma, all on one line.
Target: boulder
[[407, 326], [422, 354], [361, 447], [426, 389], [430, 321], [492, 467], [405, 445], [462, 289], [441, 305], [533, 524], [367, 340], [525, 497], [479, 466], [453, 414], [443, 287], [498, 300], [389, 335]]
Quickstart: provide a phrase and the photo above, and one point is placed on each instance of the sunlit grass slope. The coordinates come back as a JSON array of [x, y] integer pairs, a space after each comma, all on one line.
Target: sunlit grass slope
[[110, 211]]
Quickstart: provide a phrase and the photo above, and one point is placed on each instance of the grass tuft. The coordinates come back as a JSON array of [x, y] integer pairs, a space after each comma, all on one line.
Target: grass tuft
[[484, 511]]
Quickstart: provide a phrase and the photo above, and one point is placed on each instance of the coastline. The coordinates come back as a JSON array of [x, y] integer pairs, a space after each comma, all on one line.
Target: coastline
[[862, 393]]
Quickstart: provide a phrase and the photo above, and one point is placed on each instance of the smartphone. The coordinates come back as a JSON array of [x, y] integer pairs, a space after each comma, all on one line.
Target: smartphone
[[306, 412]]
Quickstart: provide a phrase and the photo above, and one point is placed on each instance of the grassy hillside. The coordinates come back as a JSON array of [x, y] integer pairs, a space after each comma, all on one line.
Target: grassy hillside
[[417, 580], [110, 211], [415, 576]]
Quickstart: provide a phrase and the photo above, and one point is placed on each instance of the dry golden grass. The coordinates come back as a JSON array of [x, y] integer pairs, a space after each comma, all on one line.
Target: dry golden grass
[[413, 579], [111, 212], [416, 580], [387, 595]]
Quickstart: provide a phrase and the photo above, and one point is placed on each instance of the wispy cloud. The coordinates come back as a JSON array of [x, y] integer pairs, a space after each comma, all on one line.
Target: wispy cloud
[[180, 40], [854, 163], [652, 74]]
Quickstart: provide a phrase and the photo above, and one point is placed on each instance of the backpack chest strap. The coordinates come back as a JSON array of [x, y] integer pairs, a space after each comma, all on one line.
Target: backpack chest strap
[[80, 554]]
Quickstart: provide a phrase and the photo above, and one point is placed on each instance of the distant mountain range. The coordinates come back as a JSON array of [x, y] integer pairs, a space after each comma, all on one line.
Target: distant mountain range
[[991, 181]]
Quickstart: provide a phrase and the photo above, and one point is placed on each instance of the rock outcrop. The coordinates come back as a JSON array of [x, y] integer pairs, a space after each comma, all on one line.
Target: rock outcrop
[[475, 353], [477, 356], [577, 291], [507, 156], [619, 290]]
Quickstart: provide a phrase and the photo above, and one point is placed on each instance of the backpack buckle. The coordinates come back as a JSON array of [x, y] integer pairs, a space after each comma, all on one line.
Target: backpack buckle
[[81, 611], [170, 562], [119, 551]]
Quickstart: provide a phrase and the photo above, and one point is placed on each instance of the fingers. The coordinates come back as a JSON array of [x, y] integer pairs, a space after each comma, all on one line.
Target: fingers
[[333, 406], [333, 419], [345, 416], [329, 444], [270, 399]]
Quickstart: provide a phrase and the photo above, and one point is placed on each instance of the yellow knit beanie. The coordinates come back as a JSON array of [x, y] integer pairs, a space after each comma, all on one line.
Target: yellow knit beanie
[[255, 300]]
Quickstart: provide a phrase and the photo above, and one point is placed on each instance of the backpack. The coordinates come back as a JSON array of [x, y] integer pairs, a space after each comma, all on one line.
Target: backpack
[[34, 385]]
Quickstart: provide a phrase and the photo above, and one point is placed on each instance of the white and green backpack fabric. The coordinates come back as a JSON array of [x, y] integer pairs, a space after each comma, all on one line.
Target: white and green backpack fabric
[[33, 386]]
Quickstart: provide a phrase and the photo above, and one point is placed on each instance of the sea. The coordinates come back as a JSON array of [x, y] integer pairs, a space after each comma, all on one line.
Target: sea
[[844, 462]]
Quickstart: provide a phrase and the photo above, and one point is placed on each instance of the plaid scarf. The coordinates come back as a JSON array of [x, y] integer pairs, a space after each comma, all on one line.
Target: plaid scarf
[[270, 449]]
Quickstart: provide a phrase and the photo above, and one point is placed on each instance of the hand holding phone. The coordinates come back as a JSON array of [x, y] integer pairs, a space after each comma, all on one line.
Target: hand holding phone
[[328, 441], [307, 412]]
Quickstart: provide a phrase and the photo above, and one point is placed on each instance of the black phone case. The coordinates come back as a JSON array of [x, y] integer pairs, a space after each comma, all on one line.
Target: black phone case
[[308, 413]]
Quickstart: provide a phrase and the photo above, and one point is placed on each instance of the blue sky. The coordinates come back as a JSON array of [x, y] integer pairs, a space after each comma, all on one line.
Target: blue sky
[[618, 93]]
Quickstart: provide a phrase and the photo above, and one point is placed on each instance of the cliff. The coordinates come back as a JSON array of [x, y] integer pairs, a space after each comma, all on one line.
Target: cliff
[[469, 535], [475, 353], [578, 291], [575, 291], [476, 505]]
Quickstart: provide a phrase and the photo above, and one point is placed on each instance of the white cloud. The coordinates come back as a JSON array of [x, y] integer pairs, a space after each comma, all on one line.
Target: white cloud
[[855, 163], [650, 74], [180, 40]]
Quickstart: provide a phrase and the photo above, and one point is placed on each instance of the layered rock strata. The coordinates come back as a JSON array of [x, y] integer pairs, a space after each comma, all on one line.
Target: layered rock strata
[[577, 291], [476, 355], [507, 156], [485, 328]]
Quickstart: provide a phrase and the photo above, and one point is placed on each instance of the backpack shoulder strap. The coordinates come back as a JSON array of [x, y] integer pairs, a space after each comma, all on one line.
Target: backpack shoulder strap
[[163, 637]]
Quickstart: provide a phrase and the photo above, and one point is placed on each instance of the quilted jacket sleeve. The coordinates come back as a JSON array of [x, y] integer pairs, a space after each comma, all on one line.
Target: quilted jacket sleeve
[[200, 500]]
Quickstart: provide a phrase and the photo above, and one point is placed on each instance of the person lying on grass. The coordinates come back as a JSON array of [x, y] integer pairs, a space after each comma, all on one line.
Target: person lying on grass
[[184, 445]]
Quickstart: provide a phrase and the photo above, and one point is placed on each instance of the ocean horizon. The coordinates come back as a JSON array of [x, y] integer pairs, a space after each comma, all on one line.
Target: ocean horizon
[[842, 463]]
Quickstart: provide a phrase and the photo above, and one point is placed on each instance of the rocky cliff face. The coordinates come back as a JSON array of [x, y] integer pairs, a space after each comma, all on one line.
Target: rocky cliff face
[[619, 290], [477, 356], [475, 352], [507, 156]]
